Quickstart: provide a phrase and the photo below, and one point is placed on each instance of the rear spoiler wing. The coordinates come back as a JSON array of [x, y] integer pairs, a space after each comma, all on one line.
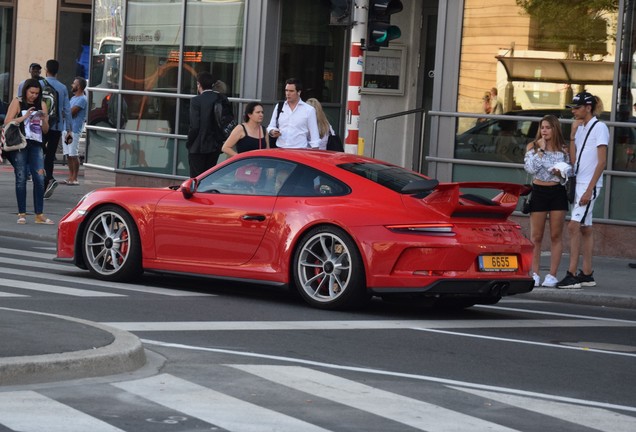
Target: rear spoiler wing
[[448, 198]]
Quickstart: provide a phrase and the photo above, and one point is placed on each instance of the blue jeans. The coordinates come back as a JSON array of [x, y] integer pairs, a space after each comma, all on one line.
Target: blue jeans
[[32, 158]]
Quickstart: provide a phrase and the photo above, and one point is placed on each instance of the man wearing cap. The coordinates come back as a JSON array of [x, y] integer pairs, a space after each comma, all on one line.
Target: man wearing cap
[[35, 70], [588, 153]]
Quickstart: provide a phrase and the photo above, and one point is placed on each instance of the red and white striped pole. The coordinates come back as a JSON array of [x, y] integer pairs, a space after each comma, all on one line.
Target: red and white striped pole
[[354, 82], [356, 61]]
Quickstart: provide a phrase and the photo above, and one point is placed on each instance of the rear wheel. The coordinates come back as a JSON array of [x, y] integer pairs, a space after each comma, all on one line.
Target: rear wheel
[[328, 270], [111, 245]]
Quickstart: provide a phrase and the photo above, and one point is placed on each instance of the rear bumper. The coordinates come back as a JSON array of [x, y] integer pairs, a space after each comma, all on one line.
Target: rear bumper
[[465, 288]]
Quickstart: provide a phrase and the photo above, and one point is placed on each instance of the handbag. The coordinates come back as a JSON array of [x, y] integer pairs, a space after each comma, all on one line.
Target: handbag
[[525, 207], [334, 143], [249, 173], [570, 186], [12, 137]]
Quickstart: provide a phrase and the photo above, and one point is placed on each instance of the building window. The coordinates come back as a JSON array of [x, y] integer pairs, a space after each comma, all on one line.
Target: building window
[[6, 50], [311, 50]]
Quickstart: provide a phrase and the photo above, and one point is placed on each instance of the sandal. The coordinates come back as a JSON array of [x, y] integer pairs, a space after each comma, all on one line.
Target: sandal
[[41, 219], [22, 218]]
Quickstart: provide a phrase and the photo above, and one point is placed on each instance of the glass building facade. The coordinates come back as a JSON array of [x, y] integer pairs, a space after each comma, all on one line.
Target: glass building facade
[[146, 55]]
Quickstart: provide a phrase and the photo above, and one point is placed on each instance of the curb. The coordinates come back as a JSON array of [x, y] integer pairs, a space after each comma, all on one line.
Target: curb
[[581, 298], [124, 354]]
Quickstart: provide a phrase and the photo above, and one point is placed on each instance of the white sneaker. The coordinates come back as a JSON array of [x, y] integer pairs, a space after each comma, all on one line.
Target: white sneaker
[[537, 279], [550, 281]]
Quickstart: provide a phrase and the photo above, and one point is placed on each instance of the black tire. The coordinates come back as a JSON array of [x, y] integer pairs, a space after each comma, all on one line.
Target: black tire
[[328, 270], [111, 245]]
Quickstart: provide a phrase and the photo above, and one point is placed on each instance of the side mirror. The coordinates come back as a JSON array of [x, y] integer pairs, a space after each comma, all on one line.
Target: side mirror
[[188, 188]]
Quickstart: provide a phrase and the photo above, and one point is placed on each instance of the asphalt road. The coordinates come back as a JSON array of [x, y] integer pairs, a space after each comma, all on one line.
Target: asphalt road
[[239, 357]]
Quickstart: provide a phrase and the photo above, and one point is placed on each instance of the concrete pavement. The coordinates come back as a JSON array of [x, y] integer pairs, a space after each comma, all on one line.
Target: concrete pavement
[[39, 347]]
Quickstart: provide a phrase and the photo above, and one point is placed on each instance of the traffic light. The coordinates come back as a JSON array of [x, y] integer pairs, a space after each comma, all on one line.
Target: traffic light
[[379, 28]]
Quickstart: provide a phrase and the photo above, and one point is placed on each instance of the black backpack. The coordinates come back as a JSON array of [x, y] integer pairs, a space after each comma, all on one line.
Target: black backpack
[[223, 117], [51, 98]]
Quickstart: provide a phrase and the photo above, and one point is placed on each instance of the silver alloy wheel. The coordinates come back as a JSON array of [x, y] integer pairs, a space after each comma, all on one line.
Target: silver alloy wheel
[[324, 267], [107, 243]]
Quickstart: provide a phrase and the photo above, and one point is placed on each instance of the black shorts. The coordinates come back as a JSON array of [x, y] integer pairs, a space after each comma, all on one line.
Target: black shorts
[[548, 198]]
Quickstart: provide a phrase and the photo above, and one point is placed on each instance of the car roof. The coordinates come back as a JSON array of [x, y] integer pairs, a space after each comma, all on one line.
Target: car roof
[[312, 157]]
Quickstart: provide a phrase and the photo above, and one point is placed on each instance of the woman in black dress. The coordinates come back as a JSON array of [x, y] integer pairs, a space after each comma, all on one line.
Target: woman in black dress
[[249, 135]]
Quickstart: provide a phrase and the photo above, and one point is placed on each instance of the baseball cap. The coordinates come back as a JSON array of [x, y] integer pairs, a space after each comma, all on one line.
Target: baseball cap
[[583, 98], [35, 66]]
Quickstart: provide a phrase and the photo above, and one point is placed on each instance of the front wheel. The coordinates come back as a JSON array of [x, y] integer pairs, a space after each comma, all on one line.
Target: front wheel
[[111, 245], [328, 270]]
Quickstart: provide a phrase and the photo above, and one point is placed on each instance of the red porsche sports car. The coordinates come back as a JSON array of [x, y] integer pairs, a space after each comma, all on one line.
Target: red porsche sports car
[[337, 227]]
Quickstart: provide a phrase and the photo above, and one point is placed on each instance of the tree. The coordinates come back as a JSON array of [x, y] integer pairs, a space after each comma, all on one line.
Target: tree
[[574, 26]]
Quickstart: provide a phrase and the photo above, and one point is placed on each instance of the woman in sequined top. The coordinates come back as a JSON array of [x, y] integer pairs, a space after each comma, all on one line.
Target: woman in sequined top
[[549, 199]]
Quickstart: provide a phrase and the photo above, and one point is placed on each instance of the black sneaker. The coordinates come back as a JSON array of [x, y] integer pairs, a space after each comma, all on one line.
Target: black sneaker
[[50, 189], [569, 282], [586, 280]]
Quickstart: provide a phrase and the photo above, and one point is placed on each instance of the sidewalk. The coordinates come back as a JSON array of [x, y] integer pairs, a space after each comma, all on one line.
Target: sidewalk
[[41, 351]]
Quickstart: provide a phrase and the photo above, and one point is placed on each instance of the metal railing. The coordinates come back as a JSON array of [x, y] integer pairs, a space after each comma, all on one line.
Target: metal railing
[[390, 116]]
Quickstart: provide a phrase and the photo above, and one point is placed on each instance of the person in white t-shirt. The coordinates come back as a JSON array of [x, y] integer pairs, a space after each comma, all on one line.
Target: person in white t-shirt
[[588, 153]]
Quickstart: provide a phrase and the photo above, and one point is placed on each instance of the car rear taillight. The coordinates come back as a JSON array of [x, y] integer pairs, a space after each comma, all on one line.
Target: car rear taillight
[[445, 230]]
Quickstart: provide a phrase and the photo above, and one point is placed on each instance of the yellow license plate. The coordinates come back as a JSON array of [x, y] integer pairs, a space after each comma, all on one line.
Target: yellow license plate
[[494, 263]]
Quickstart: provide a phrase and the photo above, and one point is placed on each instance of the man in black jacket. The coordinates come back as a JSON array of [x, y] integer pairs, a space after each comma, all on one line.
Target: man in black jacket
[[203, 145]]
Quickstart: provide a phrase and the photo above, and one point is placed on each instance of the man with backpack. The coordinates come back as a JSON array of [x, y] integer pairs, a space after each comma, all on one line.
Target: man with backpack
[[294, 123], [204, 137], [55, 96]]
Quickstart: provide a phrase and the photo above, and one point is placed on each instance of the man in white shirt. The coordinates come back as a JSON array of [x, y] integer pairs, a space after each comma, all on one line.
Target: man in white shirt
[[588, 153], [296, 126]]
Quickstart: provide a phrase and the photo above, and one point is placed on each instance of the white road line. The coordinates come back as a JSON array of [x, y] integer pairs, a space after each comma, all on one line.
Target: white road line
[[164, 326], [526, 342], [55, 289], [538, 312], [3, 294], [20, 252], [412, 412], [589, 418], [37, 264], [27, 411], [101, 284], [392, 374], [213, 407]]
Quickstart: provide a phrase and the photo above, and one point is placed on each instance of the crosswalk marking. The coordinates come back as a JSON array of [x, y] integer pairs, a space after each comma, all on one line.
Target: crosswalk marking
[[588, 417], [213, 407], [72, 279], [28, 411], [358, 324], [3, 294], [39, 264], [30, 254], [55, 289], [405, 410], [101, 284]]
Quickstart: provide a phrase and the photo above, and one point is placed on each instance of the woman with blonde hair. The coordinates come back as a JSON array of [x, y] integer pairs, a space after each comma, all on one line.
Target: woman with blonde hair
[[547, 159], [324, 128]]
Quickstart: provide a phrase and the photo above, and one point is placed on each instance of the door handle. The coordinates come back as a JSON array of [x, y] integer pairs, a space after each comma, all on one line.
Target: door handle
[[253, 217]]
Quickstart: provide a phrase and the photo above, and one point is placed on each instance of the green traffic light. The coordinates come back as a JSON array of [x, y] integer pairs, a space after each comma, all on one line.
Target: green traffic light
[[382, 36]]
